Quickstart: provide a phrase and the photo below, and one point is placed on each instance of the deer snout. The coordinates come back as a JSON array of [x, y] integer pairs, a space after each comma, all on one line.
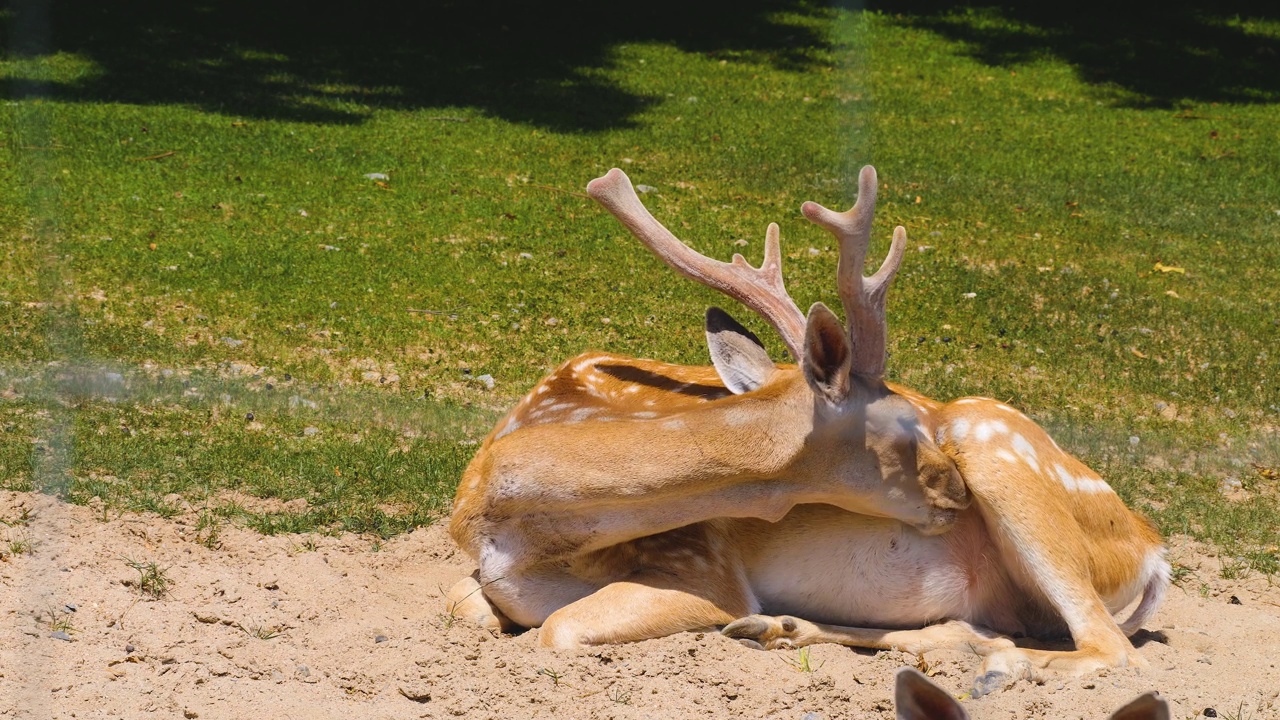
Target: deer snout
[[944, 490]]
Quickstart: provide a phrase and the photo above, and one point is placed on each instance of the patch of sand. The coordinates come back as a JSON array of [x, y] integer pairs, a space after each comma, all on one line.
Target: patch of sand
[[325, 627]]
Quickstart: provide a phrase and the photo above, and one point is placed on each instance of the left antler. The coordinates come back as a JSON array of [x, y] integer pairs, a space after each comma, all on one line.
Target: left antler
[[863, 297], [760, 289]]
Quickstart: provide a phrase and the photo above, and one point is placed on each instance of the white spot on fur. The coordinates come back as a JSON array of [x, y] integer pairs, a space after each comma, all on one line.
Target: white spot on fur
[[650, 403], [1082, 483], [674, 424], [960, 428], [644, 414], [585, 363], [582, 414], [1006, 456], [542, 389], [967, 401], [511, 426], [985, 430], [560, 406], [631, 390], [1025, 451]]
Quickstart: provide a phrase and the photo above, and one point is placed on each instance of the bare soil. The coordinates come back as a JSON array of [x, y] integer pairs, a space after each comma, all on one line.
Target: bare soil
[[317, 627]]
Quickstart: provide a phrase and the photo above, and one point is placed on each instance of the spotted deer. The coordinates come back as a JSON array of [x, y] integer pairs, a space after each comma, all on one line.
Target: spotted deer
[[625, 499]]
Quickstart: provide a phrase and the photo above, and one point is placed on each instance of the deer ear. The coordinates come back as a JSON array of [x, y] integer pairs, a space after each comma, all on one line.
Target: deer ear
[[1147, 707], [738, 355], [917, 698], [828, 356]]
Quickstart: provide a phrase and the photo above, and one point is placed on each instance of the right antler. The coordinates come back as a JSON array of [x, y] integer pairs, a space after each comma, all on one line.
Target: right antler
[[863, 297], [760, 289]]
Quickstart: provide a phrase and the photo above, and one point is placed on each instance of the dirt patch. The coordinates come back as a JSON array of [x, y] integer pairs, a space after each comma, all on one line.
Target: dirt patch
[[316, 626]]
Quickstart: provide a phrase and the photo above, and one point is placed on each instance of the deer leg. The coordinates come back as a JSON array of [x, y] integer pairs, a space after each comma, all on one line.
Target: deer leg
[[1003, 662], [784, 631], [1028, 491], [647, 606]]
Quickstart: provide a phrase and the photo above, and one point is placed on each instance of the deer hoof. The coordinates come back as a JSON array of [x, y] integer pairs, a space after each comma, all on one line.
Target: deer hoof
[[753, 627], [989, 682], [771, 633], [749, 643]]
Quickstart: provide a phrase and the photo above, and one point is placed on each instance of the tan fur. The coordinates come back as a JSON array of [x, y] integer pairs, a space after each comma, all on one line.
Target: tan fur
[[625, 499]]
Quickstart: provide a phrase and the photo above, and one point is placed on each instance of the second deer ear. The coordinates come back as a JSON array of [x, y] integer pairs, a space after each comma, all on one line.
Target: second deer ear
[[1146, 707], [739, 356], [917, 698], [828, 356]]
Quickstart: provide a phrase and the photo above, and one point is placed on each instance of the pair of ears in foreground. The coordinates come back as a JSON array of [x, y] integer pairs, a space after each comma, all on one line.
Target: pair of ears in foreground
[[743, 364], [917, 698]]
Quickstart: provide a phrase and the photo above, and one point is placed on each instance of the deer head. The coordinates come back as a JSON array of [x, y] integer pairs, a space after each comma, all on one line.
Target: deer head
[[859, 431]]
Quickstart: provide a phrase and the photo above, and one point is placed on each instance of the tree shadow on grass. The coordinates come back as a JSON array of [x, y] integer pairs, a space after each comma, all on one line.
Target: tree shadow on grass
[[531, 62], [1157, 54]]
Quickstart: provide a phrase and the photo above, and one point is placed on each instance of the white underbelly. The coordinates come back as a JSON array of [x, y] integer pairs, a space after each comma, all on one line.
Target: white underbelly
[[827, 565]]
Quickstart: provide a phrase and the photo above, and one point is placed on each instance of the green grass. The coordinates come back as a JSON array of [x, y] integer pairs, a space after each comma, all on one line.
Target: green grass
[[187, 236], [153, 580]]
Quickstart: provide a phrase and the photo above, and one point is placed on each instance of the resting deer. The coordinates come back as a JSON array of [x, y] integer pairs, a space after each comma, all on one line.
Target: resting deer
[[625, 499]]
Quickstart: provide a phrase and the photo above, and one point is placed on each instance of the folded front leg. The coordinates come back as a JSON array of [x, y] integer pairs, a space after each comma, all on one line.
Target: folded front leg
[[647, 606]]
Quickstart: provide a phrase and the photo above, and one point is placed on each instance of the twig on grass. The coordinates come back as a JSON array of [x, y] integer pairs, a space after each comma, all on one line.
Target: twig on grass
[[435, 312], [574, 193], [164, 154]]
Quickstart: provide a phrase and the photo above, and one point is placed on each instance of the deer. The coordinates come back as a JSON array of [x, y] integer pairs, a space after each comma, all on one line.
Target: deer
[[624, 499]]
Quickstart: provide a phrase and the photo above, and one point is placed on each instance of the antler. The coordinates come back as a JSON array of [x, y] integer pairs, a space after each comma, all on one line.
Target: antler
[[863, 297], [760, 289]]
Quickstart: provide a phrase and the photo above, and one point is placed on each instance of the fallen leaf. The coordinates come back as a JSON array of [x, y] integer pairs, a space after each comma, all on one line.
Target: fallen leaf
[[1161, 267], [1138, 352], [1171, 293]]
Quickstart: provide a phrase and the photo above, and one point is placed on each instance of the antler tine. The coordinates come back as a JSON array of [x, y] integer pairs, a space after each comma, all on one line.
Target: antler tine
[[863, 297], [760, 289]]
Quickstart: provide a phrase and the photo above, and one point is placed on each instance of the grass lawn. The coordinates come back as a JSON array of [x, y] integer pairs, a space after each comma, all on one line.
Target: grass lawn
[[261, 262]]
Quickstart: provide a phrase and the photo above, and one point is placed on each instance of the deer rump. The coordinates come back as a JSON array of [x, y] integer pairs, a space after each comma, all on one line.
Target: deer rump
[[624, 499]]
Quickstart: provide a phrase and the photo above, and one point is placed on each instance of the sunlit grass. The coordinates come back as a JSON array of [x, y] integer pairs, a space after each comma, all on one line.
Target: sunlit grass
[[237, 253]]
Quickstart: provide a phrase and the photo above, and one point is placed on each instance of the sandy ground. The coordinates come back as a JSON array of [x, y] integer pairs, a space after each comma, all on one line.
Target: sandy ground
[[318, 627]]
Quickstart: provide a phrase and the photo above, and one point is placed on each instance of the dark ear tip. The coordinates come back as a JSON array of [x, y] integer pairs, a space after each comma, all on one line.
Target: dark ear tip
[[718, 319]]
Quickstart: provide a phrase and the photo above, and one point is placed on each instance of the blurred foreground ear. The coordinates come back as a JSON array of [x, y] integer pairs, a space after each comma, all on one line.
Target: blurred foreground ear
[[917, 698], [1146, 707], [828, 356], [738, 355]]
